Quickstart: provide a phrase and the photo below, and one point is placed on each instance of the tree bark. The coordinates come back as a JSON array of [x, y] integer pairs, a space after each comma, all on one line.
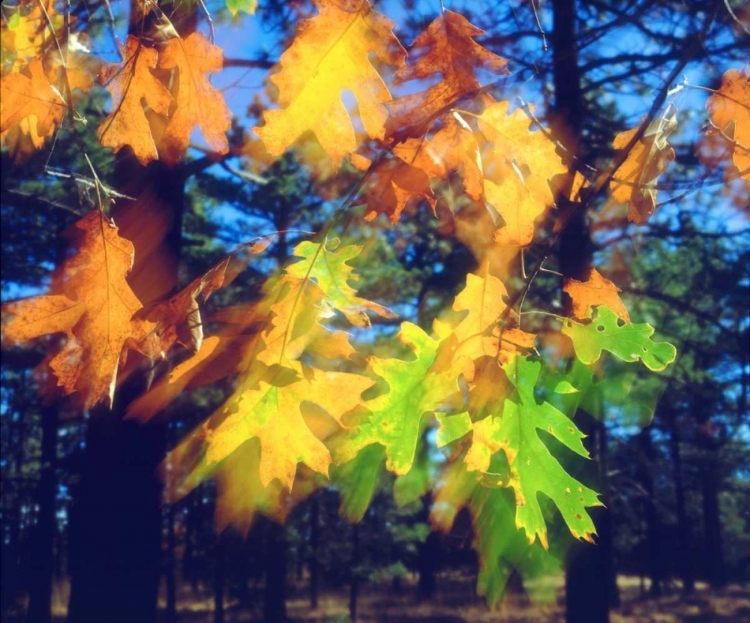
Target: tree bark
[[354, 581], [116, 527], [653, 548], [274, 598], [685, 561], [43, 544], [314, 542], [219, 579]]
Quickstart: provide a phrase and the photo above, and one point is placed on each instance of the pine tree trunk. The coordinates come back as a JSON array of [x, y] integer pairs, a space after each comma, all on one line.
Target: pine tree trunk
[[116, 524], [354, 581], [683, 526], [714, 546], [219, 579], [43, 544], [170, 571], [653, 529], [274, 598], [314, 542]]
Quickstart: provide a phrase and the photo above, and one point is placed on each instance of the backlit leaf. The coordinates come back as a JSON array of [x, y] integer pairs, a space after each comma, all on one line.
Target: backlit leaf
[[597, 290], [635, 181], [446, 48], [629, 342], [329, 54], [533, 469], [131, 84], [729, 109]]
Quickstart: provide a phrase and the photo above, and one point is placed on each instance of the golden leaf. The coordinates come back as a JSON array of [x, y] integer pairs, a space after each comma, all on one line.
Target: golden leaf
[[597, 290], [130, 84], [329, 54], [729, 109]]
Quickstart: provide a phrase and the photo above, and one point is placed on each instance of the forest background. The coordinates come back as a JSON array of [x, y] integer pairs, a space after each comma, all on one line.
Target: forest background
[[81, 505]]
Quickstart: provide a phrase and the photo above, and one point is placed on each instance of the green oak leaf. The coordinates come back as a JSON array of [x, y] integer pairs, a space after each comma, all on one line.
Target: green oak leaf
[[628, 341], [396, 416], [533, 469], [328, 268], [248, 6], [452, 427], [357, 481]]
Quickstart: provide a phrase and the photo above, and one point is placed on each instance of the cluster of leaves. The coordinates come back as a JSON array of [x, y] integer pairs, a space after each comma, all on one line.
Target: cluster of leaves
[[302, 389]]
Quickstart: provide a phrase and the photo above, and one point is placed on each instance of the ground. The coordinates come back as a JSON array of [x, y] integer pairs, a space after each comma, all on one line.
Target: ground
[[456, 602]]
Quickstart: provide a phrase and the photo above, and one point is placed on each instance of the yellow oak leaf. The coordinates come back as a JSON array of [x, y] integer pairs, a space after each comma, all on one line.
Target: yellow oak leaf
[[329, 54], [597, 290], [518, 171], [198, 103], [131, 84], [447, 48], [729, 109], [92, 303], [30, 96], [634, 183], [272, 413]]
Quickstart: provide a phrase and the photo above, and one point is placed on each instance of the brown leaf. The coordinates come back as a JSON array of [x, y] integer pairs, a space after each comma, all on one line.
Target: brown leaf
[[198, 103], [729, 109], [447, 48], [635, 181], [597, 290], [130, 84]]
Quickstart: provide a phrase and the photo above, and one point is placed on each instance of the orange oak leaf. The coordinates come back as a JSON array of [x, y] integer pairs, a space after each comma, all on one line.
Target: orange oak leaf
[[451, 150], [597, 290], [522, 164], [396, 185], [635, 181], [729, 109], [198, 103], [25, 96], [329, 54], [447, 48], [131, 84], [92, 303]]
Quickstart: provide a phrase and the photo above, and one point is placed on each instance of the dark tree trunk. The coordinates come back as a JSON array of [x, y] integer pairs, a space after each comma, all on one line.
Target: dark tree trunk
[[274, 598], [714, 552], [427, 562], [170, 570], [219, 578], [685, 561], [354, 581], [314, 541], [116, 524], [43, 543], [590, 587], [653, 553]]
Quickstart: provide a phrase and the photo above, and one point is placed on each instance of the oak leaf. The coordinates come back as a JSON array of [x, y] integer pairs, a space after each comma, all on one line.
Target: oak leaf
[[93, 305], [603, 330], [447, 48], [197, 102], [635, 180], [329, 54], [533, 469], [271, 412], [729, 109], [524, 163], [596, 290], [30, 97], [131, 84], [396, 416]]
